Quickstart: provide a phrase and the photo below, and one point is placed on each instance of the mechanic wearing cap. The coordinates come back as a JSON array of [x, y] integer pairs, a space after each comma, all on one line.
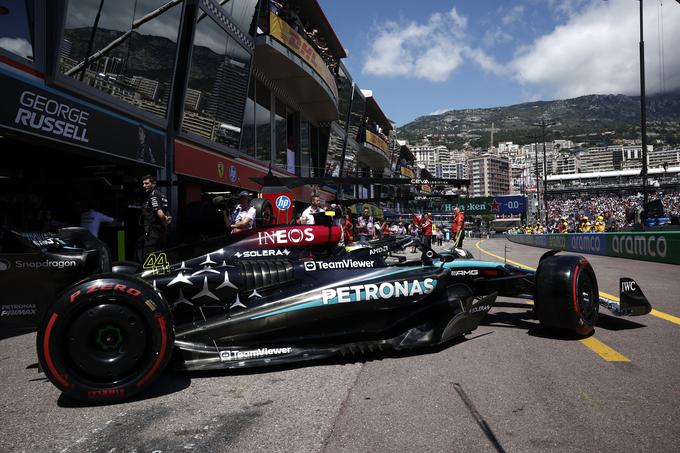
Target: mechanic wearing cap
[[243, 217], [307, 217]]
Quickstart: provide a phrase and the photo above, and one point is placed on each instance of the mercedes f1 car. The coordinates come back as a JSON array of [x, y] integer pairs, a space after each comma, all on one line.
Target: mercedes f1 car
[[283, 294]]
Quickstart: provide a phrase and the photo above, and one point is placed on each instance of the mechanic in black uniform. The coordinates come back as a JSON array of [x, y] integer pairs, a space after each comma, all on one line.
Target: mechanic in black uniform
[[154, 219]]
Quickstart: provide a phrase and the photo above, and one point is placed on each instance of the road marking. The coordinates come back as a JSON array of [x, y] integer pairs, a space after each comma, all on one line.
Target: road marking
[[607, 353], [501, 258], [604, 351], [657, 313], [478, 418], [654, 312]]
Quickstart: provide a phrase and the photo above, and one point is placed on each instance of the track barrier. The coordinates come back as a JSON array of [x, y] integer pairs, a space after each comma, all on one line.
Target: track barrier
[[658, 247]]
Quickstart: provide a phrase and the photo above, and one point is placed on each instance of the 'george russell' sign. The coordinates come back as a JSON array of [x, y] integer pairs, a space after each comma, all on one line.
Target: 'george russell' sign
[[43, 111]]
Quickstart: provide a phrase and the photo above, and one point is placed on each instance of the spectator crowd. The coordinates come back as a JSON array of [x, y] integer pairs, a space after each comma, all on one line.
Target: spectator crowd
[[291, 15], [599, 213]]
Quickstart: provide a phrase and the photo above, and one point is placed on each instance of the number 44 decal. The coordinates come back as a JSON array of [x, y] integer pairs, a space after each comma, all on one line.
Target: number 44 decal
[[156, 261]]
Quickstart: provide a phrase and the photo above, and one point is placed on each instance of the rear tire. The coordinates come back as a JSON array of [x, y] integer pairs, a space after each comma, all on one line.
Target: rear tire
[[567, 295], [264, 213], [106, 338]]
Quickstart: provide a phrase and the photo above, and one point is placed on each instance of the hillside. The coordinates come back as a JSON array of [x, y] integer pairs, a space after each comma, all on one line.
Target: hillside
[[582, 119]]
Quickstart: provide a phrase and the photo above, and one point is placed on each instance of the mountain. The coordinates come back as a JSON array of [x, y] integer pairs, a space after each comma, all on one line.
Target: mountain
[[148, 56], [593, 119]]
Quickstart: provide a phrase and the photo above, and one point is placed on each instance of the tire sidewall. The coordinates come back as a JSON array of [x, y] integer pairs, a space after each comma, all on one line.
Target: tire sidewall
[[556, 294]]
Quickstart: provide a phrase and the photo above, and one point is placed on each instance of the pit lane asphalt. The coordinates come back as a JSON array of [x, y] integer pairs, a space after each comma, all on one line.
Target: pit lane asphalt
[[506, 387]]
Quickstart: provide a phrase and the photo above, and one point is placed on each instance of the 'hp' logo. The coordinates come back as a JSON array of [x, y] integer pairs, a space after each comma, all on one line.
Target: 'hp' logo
[[283, 203], [233, 176]]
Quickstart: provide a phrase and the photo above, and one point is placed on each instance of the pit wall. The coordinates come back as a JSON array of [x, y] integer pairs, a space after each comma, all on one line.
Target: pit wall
[[654, 246]]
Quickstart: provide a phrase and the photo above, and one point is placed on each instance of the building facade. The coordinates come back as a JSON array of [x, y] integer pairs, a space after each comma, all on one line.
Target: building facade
[[205, 95], [489, 176]]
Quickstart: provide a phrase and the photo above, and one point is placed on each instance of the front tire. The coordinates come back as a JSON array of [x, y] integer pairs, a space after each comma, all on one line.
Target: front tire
[[106, 338], [567, 295]]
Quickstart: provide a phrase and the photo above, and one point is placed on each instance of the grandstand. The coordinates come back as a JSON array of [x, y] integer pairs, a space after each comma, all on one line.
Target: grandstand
[[627, 181]]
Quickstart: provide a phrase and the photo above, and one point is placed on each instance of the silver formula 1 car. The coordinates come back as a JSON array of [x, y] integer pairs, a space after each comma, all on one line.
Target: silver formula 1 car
[[283, 294]]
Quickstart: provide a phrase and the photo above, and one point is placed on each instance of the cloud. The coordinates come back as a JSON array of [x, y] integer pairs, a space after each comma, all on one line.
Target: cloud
[[596, 51], [440, 111], [567, 8], [432, 50], [497, 36], [484, 61], [513, 15], [18, 46]]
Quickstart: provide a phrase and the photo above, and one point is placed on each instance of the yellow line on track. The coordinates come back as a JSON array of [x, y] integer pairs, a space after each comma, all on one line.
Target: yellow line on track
[[607, 353], [654, 312], [604, 351], [501, 258]]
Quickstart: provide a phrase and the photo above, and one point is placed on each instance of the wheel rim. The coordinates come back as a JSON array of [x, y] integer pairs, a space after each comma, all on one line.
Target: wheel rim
[[587, 298], [106, 342], [267, 215]]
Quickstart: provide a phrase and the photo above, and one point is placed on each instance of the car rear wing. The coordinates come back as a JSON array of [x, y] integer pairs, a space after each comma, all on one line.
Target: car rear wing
[[632, 301]]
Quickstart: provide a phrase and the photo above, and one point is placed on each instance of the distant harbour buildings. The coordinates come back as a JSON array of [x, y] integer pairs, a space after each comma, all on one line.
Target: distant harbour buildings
[[510, 168]]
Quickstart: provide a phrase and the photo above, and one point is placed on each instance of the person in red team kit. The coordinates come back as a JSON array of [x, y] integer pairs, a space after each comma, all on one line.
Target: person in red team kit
[[426, 226], [458, 227]]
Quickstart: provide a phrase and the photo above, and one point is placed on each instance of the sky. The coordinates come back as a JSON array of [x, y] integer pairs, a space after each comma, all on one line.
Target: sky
[[430, 56]]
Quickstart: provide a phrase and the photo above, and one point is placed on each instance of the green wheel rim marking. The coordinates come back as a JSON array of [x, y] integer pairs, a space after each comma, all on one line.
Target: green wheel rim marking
[[103, 333]]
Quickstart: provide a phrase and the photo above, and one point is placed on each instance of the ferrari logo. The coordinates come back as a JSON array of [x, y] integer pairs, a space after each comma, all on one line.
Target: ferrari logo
[[220, 169]]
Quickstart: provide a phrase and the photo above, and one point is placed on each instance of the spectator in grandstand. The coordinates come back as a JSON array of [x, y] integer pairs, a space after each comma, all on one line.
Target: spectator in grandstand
[[563, 225], [620, 210], [599, 225]]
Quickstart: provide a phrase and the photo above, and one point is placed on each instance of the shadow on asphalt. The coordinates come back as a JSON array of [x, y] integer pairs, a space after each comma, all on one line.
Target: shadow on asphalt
[[173, 381], [520, 320], [615, 323], [167, 384], [337, 360], [4, 334]]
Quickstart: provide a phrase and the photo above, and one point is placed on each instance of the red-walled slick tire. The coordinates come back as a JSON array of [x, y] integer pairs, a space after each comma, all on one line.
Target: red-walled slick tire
[[106, 339], [566, 295]]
